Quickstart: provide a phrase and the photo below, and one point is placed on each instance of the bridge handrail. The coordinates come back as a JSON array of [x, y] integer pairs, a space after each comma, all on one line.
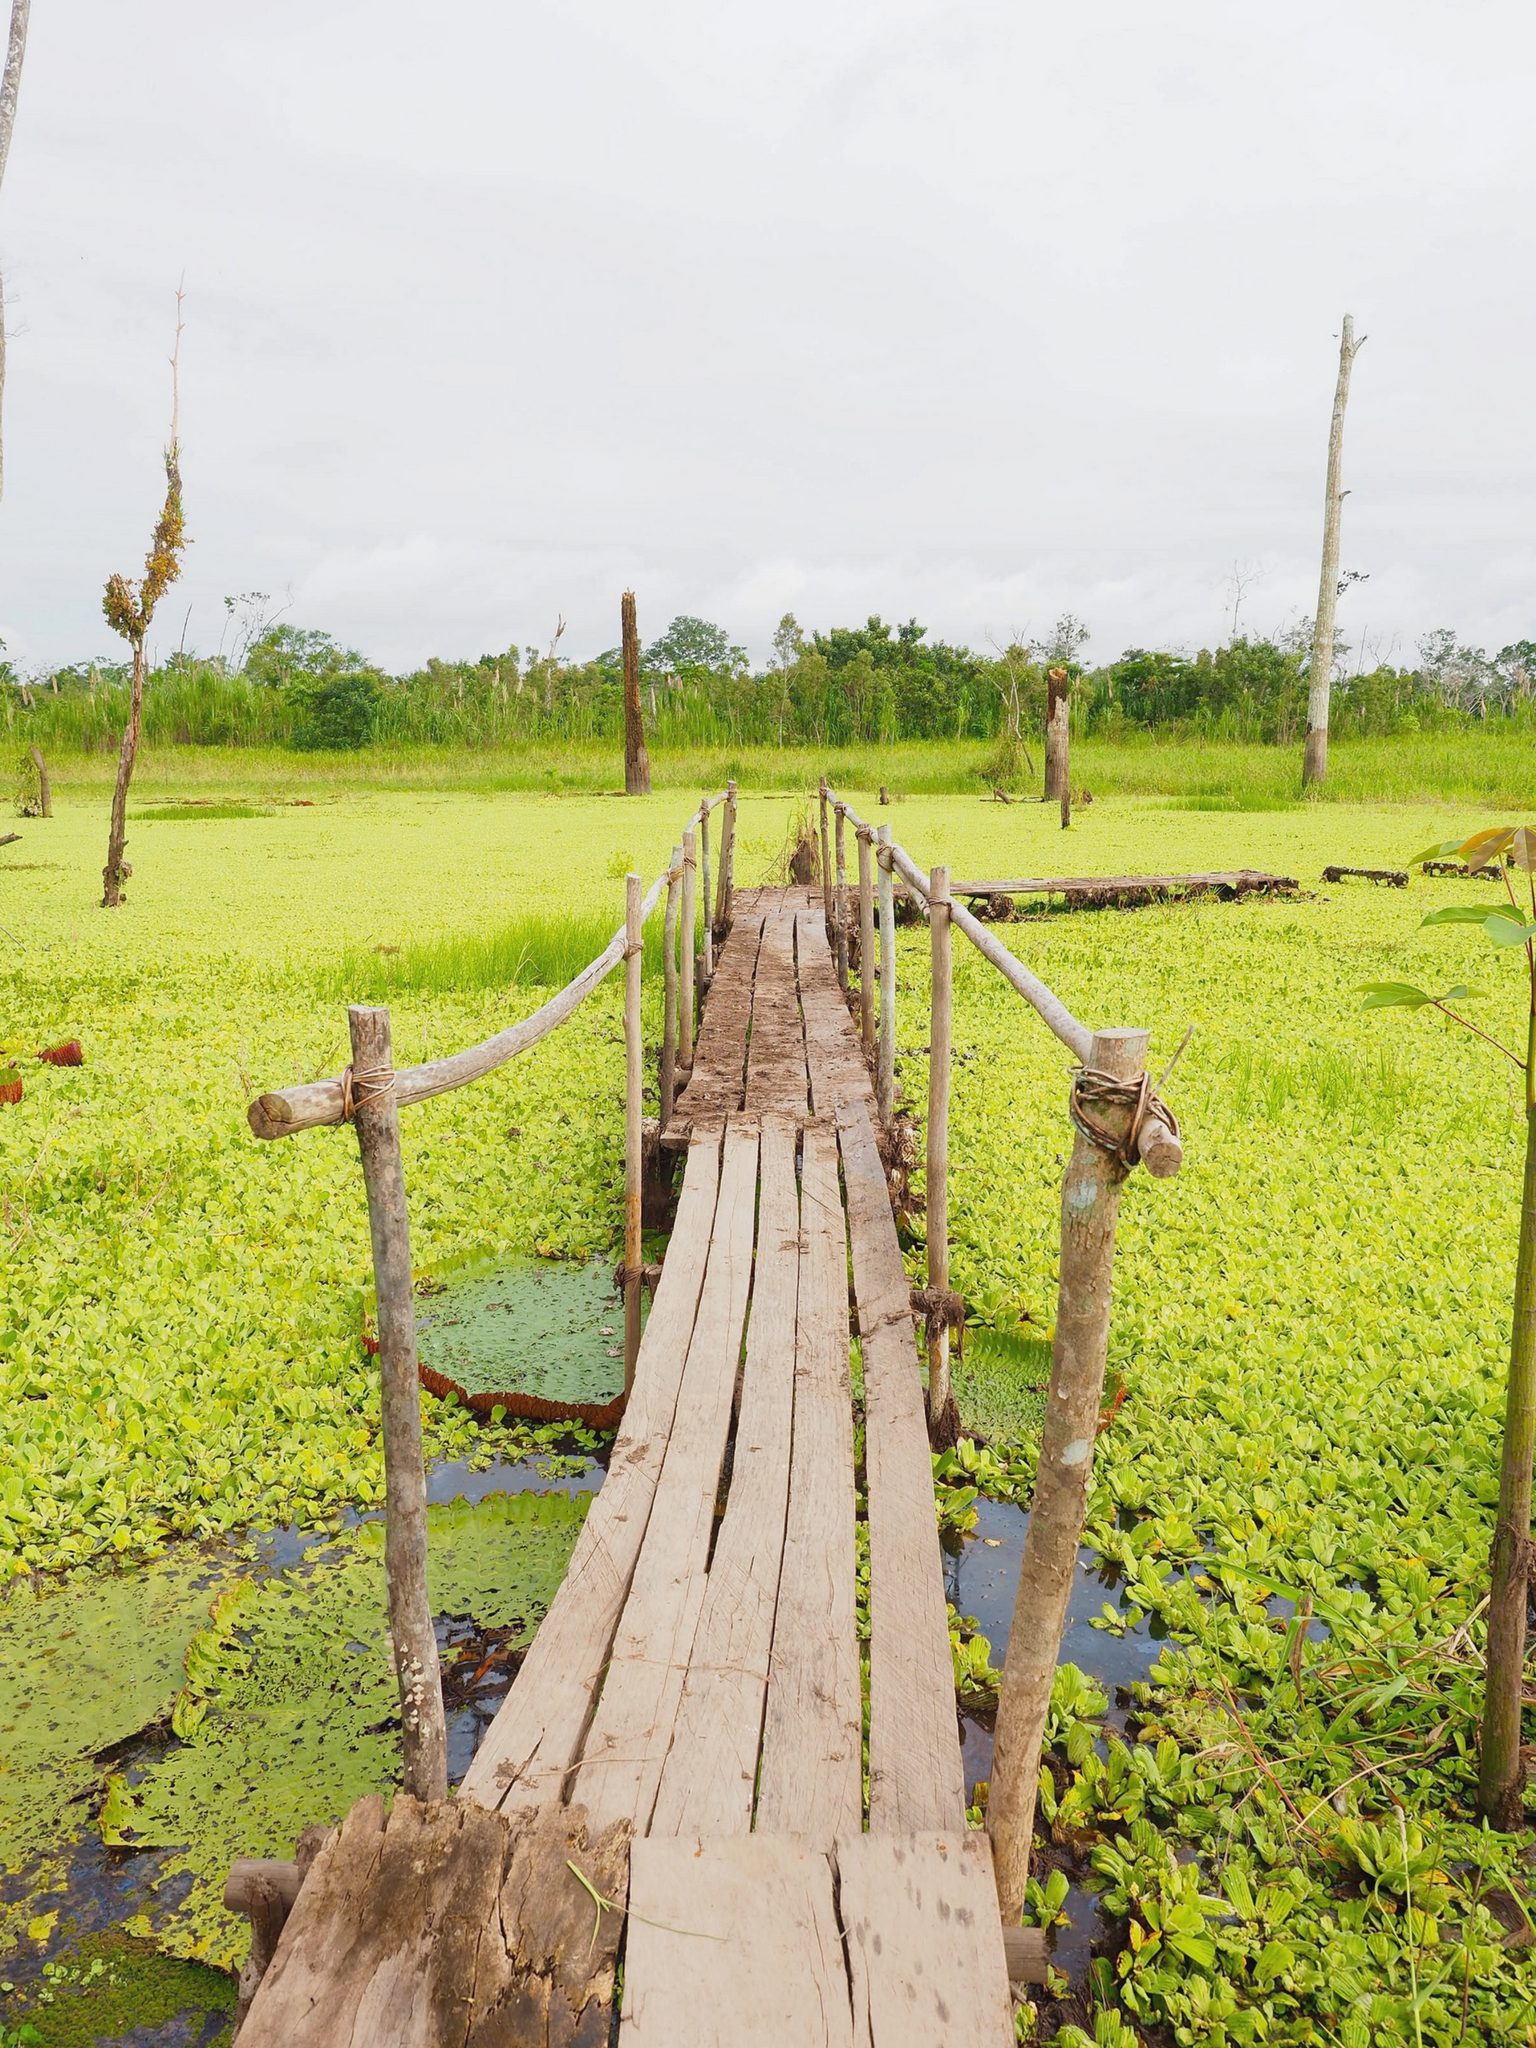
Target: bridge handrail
[[1053, 1012], [284, 1111]]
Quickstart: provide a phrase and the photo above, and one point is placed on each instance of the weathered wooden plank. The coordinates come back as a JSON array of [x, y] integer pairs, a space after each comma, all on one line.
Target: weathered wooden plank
[[528, 1749], [441, 1926], [1225, 881], [925, 1944], [812, 1763], [916, 1781], [776, 1077], [718, 1081], [708, 1778], [835, 1062], [733, 1943], [631, 1731]]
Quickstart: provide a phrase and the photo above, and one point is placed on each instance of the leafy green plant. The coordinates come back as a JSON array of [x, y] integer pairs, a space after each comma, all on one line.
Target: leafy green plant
[[1501, 1776]]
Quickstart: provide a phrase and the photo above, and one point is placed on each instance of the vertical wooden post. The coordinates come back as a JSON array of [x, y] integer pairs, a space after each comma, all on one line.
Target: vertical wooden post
[[1090, 1207], [708, 969], [885, 1071], [637, 762], [727, 899], [44, 786], [840, 910], [669, 972], [633, 1165], [689, 918], [1058, 766], [866, 941], [826, 865], [938, 1136], [423, 1730]]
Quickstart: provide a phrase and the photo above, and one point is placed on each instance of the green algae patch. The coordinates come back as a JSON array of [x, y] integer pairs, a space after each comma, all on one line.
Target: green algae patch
[[112, 1984], [530, 1336], [310, 1722]]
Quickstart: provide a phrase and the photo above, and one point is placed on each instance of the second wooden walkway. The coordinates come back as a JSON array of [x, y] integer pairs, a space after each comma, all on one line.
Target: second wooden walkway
[[684, 1743]]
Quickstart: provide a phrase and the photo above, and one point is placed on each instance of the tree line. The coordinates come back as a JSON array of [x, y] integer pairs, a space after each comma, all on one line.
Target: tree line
[[287, 686]]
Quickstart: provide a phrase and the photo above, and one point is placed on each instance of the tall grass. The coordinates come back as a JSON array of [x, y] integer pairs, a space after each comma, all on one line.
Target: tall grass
[[531, 950]]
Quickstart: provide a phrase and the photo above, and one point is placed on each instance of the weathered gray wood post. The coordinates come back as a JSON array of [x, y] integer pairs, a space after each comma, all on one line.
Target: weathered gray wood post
[[840, 810], [370, 1086], [44, 786], [938, 1137], [707, 968], [633, 1164], [866, 940], [727, 903], [885, 1066], [689, 920], [669, 983], [1090, 1208], [826, 864], [1058, 741]]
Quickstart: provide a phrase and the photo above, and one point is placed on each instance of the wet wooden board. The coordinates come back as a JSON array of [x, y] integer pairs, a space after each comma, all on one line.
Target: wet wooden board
[[733, 1943], [925, 1943], [776, 1076], [833, 1055], [812, 1766], [916, 1779], [527, 1751], [708, 1779], [632, 1729], [717, 1085]]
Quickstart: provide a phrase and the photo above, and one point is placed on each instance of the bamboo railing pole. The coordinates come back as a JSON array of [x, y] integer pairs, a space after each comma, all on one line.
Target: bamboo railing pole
[[424, 1732], [866, 941], [1090, 1207], [669, 972], [708, 969], [689, 919], [633, 1166], [885, 1067], [938, 1134], [727, 902], [840, 910], [826, 865]]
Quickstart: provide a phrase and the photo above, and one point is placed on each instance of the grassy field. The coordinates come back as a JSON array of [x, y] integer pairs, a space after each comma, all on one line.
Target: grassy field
[[1311, 1323]]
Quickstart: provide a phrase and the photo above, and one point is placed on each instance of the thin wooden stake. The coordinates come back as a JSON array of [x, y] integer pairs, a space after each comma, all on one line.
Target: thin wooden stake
[[866, 941], [841, 901], [633, 1164], [727, 903], [689, 920], [826, 864], [1090, 1208], [708, 970], [1058, 741], [885, 1073], [938, 1136], [424, 1733], [669, 973]]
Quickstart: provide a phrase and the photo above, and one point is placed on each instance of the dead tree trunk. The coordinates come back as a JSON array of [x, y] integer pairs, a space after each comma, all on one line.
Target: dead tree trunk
[[377, 1117], [10, 87], [637, 762], [44, 786], [1057, 739], [115, 873], [1314, 767]]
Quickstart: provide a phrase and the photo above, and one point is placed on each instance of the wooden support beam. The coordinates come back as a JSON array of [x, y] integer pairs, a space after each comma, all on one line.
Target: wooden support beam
[[669, 977], [866, 941], [938, 1145], [634, 1166], [685, 1017], [885, 1073], [826, 863], [727, 905], [709, 923], [841, 900], [1090, 1209], [372, 1089]]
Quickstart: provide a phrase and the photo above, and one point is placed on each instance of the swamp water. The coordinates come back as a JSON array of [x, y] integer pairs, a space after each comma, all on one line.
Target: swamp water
[[157, 1722]]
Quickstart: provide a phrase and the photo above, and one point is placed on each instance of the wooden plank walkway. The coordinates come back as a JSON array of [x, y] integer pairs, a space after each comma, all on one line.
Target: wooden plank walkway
[[686, 1729]]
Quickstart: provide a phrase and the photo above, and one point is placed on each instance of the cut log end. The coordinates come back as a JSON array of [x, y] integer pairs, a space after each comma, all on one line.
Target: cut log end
[[268, 1117], [1161, 1152]]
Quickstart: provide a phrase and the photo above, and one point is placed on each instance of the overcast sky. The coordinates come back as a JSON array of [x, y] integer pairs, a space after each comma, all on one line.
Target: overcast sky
[[975, 312]]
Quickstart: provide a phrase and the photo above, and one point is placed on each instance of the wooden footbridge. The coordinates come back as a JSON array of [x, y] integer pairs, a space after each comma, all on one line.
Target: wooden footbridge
[[702, 1776]]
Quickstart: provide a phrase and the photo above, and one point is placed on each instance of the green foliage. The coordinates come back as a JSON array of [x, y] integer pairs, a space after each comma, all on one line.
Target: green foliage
[[334, 713], [694, 647], [536, 949]]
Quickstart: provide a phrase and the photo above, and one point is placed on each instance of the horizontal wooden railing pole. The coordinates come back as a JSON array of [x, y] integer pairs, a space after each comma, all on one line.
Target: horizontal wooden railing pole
[[707, 965], [840, 911], [866, 940], [938, 1149], [685, 1003], [633, 1084], [885, 1063], [669, 985]]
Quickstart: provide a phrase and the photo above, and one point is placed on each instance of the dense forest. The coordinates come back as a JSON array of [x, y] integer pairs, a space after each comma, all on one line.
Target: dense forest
[[291, 687]]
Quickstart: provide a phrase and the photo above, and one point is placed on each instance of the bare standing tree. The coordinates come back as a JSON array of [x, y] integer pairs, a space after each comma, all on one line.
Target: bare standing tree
[[129, 613], [10, 86], [637, 762], [1314, 767]]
